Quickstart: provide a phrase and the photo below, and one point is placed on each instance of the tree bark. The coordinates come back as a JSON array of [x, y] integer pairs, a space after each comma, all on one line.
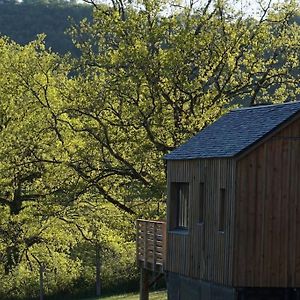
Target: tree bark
[[42, 269], [98, 270]]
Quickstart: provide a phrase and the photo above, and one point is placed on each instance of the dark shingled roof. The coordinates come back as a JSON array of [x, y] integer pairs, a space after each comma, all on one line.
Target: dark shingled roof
[[235, 132]]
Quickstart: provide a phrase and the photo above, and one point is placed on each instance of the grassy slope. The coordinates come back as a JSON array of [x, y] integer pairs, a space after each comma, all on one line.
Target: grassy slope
[[162, 295]]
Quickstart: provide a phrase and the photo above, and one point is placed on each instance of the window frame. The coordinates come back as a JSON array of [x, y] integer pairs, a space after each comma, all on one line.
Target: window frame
[[180, 202]]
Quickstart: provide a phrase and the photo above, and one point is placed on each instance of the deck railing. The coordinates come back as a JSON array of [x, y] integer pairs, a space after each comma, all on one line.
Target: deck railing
[[151, 244]]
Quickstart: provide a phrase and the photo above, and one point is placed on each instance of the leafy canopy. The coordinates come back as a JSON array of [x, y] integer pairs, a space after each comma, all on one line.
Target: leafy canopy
[[151, 77]]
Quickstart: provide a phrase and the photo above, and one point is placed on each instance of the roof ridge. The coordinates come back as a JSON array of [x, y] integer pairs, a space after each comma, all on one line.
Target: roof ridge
[[236, 131], [266, 105]]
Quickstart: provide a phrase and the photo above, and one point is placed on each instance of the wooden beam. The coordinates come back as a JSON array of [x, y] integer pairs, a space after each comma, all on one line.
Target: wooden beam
[[146, 245], [144, 284], [158, 277]]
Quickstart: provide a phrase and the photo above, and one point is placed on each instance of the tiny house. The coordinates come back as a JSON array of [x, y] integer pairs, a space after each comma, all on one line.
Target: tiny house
[[233, 218]]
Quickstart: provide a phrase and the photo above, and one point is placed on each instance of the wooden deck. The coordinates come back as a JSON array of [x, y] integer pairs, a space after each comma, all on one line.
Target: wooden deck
[[151, 245]]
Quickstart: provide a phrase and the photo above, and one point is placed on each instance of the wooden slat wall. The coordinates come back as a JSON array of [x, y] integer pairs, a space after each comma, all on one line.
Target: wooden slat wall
[[151, 247], [203, 252], [267, 237]]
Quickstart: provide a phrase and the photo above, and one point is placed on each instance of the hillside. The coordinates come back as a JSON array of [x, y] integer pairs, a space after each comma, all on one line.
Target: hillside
[[23, 21]]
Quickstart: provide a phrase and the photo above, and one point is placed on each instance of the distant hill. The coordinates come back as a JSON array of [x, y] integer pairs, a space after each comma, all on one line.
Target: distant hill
[[23, 21]]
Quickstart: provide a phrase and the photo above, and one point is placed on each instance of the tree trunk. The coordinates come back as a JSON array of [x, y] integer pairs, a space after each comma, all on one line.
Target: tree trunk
[[98, 270], [42, 269]]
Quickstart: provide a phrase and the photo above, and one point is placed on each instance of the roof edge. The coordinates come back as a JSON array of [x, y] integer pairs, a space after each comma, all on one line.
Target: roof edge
[[295, 114], [265, 105], [268, 135]]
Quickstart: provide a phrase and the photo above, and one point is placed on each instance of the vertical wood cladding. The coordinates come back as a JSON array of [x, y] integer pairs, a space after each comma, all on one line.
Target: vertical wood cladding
[[267, 215], [203, 252]]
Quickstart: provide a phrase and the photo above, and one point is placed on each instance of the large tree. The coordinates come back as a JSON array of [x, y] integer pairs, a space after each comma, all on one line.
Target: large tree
[[152, 74], [53, 221], [36, 186]]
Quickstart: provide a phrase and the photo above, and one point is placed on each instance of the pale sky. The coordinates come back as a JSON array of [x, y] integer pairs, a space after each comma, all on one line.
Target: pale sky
[[249, 7]]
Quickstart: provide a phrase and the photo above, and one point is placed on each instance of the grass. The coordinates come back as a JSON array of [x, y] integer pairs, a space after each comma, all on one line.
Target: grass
[[160, 295]]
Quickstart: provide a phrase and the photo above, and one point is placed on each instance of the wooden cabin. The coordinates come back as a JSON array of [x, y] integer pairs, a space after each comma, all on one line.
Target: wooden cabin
[[233, 218]]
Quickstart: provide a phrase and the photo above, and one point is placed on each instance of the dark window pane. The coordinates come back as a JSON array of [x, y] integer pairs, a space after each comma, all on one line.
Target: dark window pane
[[182, 205], [201, 202], [222, 210]]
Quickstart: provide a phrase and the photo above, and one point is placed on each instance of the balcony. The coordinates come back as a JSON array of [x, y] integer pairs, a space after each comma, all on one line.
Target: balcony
[[151, 245]]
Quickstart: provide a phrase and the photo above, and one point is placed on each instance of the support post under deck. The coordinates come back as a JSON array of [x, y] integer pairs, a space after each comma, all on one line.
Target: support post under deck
[[144, 284]]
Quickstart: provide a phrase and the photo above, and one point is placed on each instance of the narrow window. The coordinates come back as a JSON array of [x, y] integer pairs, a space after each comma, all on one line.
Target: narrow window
[[183, 204], [201, 202], [222, 210], [180, 203]]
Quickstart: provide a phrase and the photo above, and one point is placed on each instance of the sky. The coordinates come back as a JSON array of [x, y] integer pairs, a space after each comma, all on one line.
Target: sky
[[249, 7]]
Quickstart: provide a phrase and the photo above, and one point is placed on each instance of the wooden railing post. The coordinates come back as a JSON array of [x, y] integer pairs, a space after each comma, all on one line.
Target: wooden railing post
[[145, 229], [154, 245], [145, 245], [137, 245], [149, 232], [164, 242]]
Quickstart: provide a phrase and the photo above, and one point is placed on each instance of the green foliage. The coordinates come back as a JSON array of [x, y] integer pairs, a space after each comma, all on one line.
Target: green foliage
[[81, 140], [31, 232], [150, 80], [50, 217]]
